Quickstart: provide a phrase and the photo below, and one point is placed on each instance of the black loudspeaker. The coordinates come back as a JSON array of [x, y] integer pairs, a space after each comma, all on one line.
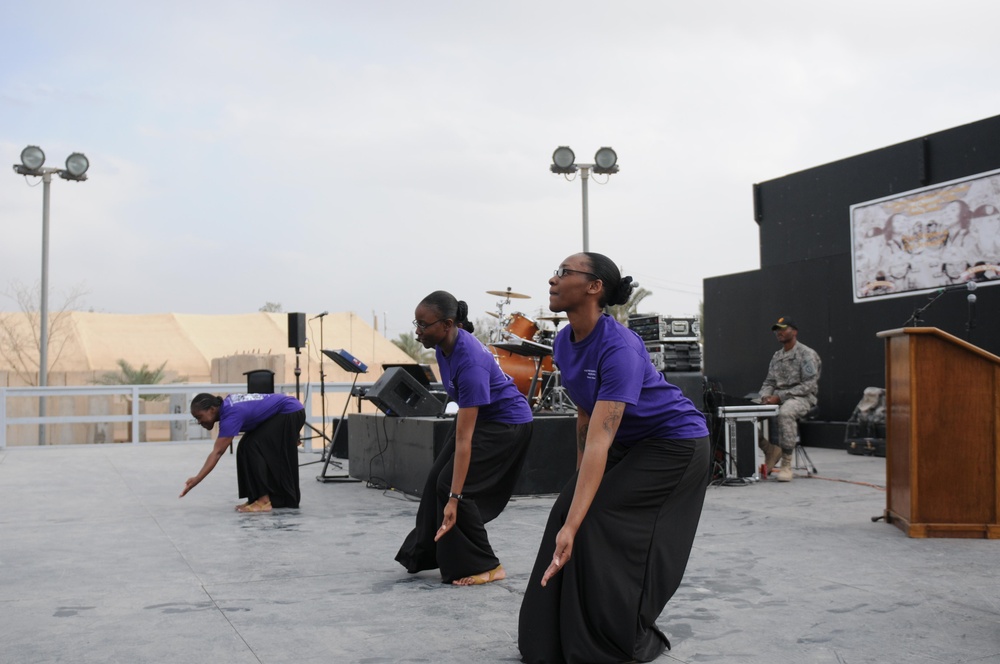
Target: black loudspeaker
[[260, 381], [691, 383], [399, 394], [745, 453], [296, 330]]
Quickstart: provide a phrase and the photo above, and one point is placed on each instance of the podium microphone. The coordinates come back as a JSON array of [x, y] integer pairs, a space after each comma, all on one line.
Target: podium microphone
[[320, 315], [971, 323], [968, 285]]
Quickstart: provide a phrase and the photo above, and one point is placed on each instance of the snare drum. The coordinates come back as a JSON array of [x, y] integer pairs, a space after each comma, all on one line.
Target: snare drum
[[519, 325]]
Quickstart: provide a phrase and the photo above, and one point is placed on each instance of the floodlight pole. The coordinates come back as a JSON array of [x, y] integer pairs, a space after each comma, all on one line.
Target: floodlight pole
[[584, 177], [43, 351], [605, 163], [32, 159]]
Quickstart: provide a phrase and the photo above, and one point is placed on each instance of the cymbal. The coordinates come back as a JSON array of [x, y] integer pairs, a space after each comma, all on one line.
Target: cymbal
[[493, 313], [509, 293], [554, 319]]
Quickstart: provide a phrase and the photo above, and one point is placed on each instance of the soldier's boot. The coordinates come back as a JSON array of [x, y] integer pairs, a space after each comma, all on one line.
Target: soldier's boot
[[785, 472], [772, 453]]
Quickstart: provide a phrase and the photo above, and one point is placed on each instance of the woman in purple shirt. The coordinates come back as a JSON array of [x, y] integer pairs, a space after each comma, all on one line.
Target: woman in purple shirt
[[473, 477], [267, 460], [620, 533]]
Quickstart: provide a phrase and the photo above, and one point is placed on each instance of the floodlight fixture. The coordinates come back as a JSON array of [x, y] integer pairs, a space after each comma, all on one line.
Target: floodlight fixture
[[32, 158], [605, 161], [76, 167], [562, 160]]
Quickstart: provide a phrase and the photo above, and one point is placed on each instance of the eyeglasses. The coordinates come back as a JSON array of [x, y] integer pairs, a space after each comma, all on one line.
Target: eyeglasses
[[423, 326], [561, 272]]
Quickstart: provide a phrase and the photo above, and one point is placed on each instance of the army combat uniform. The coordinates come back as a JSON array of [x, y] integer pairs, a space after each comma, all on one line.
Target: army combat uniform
[[794, 377]]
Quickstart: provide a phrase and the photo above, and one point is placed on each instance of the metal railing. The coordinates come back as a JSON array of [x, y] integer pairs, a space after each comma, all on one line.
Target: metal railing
[[179, 393]]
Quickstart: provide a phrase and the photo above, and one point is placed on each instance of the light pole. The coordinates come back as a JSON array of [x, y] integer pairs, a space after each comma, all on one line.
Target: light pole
[[32, 160], [605, 163]]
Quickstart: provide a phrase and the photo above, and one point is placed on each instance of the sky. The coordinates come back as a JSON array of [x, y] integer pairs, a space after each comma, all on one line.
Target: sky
[[355, 156]]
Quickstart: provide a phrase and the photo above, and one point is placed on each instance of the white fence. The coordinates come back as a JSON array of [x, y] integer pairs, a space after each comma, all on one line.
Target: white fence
[[85, 414]]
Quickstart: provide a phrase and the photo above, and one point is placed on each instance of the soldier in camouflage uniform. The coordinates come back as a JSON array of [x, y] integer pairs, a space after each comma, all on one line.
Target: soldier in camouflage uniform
[[792, 384]]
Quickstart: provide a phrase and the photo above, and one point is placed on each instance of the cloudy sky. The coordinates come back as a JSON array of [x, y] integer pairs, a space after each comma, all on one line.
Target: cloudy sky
[[355, 155]]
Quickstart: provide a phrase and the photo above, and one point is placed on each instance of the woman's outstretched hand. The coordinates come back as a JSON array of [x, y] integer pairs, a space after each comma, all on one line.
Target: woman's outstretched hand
[[450, 514], [191, 483], [562, 554]]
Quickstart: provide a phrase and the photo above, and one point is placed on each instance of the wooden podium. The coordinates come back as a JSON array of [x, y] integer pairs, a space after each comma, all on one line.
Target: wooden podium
[[943, 426]]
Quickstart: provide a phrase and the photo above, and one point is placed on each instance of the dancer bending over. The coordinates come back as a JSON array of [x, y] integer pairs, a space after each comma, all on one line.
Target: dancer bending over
[[267, 460], [619, 535], [473, 477]]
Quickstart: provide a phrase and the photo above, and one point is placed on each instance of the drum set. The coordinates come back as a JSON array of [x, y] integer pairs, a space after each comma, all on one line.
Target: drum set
[[523, 350]]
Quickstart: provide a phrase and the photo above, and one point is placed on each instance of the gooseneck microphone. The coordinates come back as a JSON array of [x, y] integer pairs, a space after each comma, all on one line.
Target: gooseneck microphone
[[969, 286]]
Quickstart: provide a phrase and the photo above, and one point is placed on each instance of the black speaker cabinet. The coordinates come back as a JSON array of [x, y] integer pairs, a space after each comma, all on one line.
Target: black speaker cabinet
[[398, 393], [745, 452], [260, 381], [691, 383], [296, 330]]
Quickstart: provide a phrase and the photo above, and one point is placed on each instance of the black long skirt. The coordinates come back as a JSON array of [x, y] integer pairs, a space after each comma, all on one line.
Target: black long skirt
[[627, 561], [267, 460], [498, 452]]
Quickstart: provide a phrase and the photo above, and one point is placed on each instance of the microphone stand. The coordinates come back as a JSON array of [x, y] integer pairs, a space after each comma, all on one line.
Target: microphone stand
[[915, 319], [298, 372], [327, 454], [972, 317]]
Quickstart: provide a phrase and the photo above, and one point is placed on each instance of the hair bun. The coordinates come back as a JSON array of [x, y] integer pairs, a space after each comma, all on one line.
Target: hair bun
[[625, 288]]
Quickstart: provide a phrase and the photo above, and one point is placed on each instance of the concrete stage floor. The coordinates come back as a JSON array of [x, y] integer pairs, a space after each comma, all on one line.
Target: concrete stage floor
[[100, 562]]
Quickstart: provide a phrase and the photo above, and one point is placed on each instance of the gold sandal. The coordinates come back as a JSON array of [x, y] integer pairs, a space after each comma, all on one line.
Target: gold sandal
[[478, 580], [254, 507]]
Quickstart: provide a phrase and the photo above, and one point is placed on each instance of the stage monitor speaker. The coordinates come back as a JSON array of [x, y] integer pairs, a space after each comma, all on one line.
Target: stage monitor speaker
[[399, 394], [421, 372], [260, 381], [296, 330]]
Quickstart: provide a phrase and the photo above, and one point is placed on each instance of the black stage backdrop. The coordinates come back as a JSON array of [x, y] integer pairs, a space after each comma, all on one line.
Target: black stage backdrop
[[806, 271]]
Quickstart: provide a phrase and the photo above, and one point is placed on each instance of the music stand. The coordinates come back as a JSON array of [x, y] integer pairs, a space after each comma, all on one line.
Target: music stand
[[347, 362]]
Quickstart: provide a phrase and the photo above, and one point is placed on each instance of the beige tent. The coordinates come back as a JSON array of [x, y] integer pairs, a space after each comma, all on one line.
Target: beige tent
[[83, 345], [196, 348]]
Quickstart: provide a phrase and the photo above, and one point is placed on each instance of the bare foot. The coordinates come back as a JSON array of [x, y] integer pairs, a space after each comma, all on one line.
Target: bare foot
[[485, 577], [256, 506]]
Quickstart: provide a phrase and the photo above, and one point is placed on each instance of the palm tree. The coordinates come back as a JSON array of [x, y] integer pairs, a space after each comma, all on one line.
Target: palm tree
[[129, 375], [409, 345], [621, 312]]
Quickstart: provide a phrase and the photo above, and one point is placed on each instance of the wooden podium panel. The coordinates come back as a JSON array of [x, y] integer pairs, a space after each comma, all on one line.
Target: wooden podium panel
[[943, 426]]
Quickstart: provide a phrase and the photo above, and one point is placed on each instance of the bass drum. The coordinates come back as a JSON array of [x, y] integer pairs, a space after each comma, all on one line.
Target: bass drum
[[521, 369]]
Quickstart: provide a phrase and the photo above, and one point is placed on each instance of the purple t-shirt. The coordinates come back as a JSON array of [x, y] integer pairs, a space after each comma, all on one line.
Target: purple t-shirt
[[612, 364], [246, 412], [472, 377]]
